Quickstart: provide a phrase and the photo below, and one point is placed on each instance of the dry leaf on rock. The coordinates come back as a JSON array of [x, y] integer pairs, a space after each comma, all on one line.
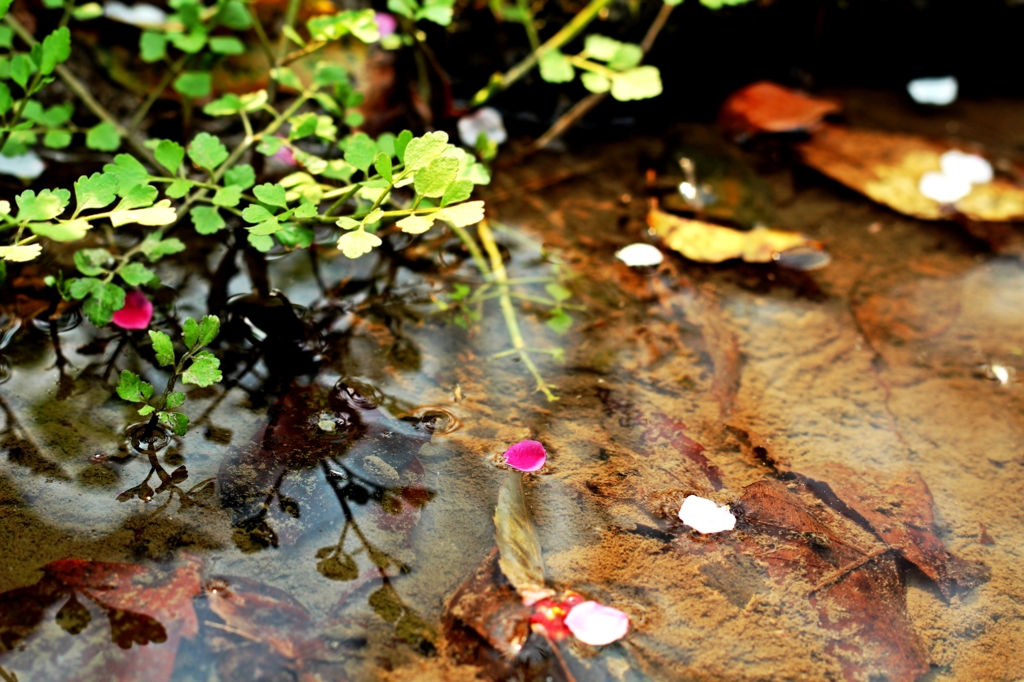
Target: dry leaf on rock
[[709, 243], [887, 167], [766, 107]]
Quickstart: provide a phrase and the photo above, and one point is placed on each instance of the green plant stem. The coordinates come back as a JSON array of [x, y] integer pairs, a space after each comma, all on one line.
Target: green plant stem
[[588, 103], [261, 35], [531, 28], [140, 115], [508, 310], [282, 45], [500, 82], [76, 86]]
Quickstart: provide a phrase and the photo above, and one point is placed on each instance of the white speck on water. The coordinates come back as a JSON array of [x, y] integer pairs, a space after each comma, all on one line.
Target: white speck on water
[[27, 166], [141, 14], [970, 167], [640, 255], [705, 516], [936, 91]]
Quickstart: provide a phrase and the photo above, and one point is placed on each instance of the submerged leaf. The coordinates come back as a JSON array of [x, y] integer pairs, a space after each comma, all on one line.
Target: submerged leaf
[[520, 557]]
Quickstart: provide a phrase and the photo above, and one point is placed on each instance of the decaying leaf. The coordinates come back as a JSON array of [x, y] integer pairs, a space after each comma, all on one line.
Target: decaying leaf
[[887, 167], [770, 108], [519, 549], [144, 612], [709, 243]]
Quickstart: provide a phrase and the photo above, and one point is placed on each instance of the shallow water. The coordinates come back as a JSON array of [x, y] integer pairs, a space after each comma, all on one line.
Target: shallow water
[[871, 380]]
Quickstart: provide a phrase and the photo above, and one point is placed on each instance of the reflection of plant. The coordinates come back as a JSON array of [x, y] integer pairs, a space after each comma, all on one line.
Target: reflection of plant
[[465, 305], [170, 483], [196, 366]]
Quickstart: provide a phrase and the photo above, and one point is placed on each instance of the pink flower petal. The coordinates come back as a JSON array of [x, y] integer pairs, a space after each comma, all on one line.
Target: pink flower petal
[[596, 624], [284, 155], [136, 313], [528, 455], [386, 23]]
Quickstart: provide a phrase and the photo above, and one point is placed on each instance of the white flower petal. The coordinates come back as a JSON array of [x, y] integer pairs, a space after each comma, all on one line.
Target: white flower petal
[[937, 91], [943, 188], [970, 167], [136, 15], [705, 516], [484, 120], [640, 254], [27, 166]]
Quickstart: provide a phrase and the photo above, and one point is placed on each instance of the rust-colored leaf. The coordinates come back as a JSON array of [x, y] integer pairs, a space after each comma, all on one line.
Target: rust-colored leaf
[[766, 107], [887, 167], [518, 546]]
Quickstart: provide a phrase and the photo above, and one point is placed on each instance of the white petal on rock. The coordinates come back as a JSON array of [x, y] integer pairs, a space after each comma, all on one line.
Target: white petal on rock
[[705, 516], [937, 91], [136, 15], [27, 166], [484, 120], [943, 188], [640, 255], [970, 167]]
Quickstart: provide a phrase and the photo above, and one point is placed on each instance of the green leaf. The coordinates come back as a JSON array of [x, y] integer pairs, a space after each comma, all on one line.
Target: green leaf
[[95, 191], [555, 67], [326, 73], [21, 68], [405, 8], [160, 213], [65, 231], [169, 154], [558, 292], [360, 150], [560, 322], [460, 190], [401, 142], [254, 213], [190, 333], [139, 196], [601, 48], [271, 194], [360, 23], [209, 327], [295, 236], [204, 370], [178, 421], [90, 262], [191, 42], [227, 105], [129, 173], [266, 228], [80, 288], [302, 125], [440, 12], [226, 45], [57, 139], [101, 305], [163, 348], [152, 46], [386, 143], [6, 101], [261, 243], [206, 151], [48, 204], [4, 6], [194, 84], [56, 50], [176, 399], [228, 196], [422, 150], [87, 11], [179, 188], [286, 77], [269, 146], [627, 56], [136, 274], [382, 164], [642, 82], [233, 15], [207, 219], [103, 137], [132, 388], [595, 82], [156, 248], [433, 180], [146, 410], [242, 176], [357, 243]]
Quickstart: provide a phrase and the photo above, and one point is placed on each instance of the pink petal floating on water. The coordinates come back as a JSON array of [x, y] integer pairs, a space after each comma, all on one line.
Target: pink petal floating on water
[[136, 313], [527, 455], [386, 23], [596, 624]]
